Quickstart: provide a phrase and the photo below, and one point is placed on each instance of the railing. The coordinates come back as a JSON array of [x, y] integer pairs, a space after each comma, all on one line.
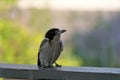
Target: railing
[[32, 72]]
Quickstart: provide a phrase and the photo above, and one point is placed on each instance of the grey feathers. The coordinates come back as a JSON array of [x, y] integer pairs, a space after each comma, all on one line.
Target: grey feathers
[[49, 52]]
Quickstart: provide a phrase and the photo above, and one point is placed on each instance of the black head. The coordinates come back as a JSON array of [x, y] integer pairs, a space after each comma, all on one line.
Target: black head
[[51, 33]]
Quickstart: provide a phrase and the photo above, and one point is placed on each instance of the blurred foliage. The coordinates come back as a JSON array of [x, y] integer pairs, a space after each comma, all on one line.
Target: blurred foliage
[[6, 4], [17, 44], [68, 58], [1, 79], [39, 18], [99, 47]]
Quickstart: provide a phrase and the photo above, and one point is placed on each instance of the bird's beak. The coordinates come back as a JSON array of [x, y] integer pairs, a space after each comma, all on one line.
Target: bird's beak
[[62, 31]]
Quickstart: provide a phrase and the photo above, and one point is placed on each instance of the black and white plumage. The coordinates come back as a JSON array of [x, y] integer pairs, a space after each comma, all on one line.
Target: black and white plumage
[[50, 48]]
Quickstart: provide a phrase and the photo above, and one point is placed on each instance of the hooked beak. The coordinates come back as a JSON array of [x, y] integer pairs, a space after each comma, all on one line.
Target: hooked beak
[[62, 31]]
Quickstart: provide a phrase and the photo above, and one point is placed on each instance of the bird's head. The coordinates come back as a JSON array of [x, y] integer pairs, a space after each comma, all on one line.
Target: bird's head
[[54, 32]]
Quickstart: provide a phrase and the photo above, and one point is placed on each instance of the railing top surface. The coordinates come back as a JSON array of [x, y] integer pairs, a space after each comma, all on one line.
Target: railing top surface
[[64, 68], [30, 71]]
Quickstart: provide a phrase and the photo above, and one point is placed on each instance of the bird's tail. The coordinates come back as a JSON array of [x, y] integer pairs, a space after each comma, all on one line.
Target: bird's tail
[[38, 60]]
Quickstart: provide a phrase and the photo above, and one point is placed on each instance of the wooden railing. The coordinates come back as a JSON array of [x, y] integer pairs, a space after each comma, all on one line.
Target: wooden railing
[[32, 72]]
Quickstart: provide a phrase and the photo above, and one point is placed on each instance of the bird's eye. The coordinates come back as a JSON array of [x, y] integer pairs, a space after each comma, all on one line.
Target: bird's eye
[[56, 31]]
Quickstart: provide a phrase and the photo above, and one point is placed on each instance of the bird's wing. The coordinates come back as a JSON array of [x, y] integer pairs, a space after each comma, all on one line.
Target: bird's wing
[[40, 49], [42, 44], [57, 52]]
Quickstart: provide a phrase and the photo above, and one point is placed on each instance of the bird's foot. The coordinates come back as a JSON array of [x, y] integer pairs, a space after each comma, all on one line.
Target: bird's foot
[[57, 65], [47, 66]]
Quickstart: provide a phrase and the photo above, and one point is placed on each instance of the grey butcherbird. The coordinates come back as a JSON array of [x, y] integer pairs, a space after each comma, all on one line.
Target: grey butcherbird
[[50, 48]]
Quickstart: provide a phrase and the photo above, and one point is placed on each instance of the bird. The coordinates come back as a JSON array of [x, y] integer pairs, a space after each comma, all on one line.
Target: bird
[[50, 48]]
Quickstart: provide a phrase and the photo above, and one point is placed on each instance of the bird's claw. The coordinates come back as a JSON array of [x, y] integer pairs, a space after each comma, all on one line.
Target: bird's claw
[[45, 67], [57, 65]]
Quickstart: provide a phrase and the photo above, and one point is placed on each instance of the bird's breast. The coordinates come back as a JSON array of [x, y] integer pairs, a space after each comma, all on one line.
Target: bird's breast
[[50, 47]]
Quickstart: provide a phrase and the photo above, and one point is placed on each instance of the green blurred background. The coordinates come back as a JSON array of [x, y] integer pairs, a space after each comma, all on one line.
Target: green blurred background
[[92, 37]]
